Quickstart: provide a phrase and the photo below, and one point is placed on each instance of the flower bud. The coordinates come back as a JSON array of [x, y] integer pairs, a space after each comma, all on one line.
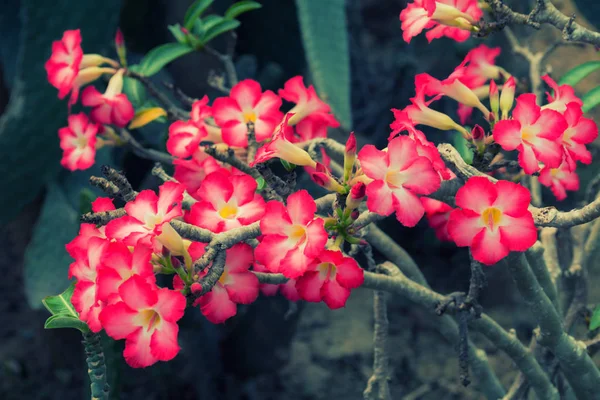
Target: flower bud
[[478, 137], [494, 99], [354, 215], [196, 287], [356, 195], [323, 178], [507, 97], [349, 156], [120, 46]]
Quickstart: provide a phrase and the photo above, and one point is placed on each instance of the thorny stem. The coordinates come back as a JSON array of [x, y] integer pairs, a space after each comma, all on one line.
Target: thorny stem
[[96, 366]]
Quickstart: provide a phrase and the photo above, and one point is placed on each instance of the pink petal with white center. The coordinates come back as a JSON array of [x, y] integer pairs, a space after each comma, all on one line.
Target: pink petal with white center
[[91, 97], [294, 90], [216, 305], [108, 283], [252, 211], [235, 133], [414, 19], [93, 317], [463, 226], [276, 219], [316, 238], [309, 286], [138, 294], [184, 138], [334, 294], [239, 258], [477, 194], [295, 263], [374, 162], [421, 177], [507, 133], [143, 206], [409, 209], [271, 250], [401, 152], [122, 110], [170, 305], [204, 215], [84, 298], [163, 344], [246, 94], [102, 204], [124, 227], [118, 320], [349, 274], [243, 287], [551, 125], [137, 351], [550, 153], [586, 131], [513, 199], [217, 189], [301, 207], [264, 128], [526, 111], [487, 247], [518, 234], [244, 188], [528, 160], [170, 197], [379, 198], [226, 110]]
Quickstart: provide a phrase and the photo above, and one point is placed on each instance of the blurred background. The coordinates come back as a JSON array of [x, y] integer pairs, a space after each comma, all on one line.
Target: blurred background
[[272, 349]]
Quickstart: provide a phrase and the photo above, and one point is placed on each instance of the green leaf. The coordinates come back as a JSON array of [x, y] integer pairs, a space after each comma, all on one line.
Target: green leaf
[[46, 259], [194, 12], [135, 91], [325, 37], [591, 99], [177, 33], [29, 151], [219, 28], [162, 55], [576, 74], [595, 320], [462, 146], [260, 183], [207, 23], [66, 321], [60, 304], [240, 8]]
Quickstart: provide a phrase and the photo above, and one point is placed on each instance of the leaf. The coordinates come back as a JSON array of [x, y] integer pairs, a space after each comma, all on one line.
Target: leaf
[[207, 23], [177, 33], [29, 150], [591, 99], [219, 28], [46, 260], [240, 8], [61, 303], [194, 12], [325, 38], [144, 117], [134, 89], [576, 74], [260, 182], [66, 321], [595, 320], [162, 55], [461, 145]]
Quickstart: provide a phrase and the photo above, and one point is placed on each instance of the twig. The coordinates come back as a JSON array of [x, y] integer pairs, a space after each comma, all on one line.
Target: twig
[[228, 64], [161, 174], [143, 152], [173, 112], [381, 361], [126, 192]]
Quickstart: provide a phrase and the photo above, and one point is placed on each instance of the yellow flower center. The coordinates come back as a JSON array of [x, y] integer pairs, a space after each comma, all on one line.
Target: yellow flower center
[[491, 217], [80, 142], [249, 117], [228, 211], [554, 171], [527, 135], [297, 232], [152, 220], [150, 319], [223, 278], [394, 178], [327, 268]]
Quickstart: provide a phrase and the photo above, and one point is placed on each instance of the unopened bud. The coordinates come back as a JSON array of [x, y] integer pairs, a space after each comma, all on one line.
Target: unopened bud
[[507, 97], [494, 98], [120, 46], [196, 287], [323, 178], [356, 195], [478, 137], [349, 156]]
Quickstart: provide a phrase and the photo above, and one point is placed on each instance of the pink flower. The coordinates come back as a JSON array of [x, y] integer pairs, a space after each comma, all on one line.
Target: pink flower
[[78, 142], [580, 131], [314, 126], [287, 290], [438, 214], [111, 108], [184, 138], [559, 180], [102, 204], [237, 285], [292, 236], [480, 66], [147, 318], [450, 18], [146, 215], [330, 278], [192, 172], [282, 148], [307, 102], [63, 65], [494, 219], [80, 242], [247, 104], [399, 176], [563, 95], [534, 132], [118, 265], [200, 115], [226, 201], [85, 270]]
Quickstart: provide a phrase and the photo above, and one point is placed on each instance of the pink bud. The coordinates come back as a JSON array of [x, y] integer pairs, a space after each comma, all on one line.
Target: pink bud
[[351, 144], [507, 97], [119, 40], [494, 98], [349, 156], [355, 214], [185, 31], [175, 262], [356, 196], [478, 133], [196, 287]]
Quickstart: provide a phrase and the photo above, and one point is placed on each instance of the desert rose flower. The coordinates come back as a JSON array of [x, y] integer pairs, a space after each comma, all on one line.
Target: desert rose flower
[[147, 318], [580, 131], [438, 214], [307, 103], [226, 201], [78, 142], [399, 176], [191, 172], [146, 214], [493, 219], [247, 103], [287, 290], [329, 278], [111, 108], [562, 95], [293, 237], [451, 18], [559, 180], [534, 132], [201, 115], [237, 284], [184, 138]]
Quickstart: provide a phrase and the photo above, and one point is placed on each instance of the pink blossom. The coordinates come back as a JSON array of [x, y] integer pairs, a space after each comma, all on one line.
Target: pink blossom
[[63, 66], [307, 102], [562, 95], [559, 180], [438, 214], [191, 172], [111, 108], [78, 142], [580, 131]]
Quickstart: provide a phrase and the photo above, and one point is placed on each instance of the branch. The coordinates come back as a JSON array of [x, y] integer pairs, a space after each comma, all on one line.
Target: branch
[[96, 366], [545, 13], [173, 112], [143, 152], [161, 174], [381, 361]]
